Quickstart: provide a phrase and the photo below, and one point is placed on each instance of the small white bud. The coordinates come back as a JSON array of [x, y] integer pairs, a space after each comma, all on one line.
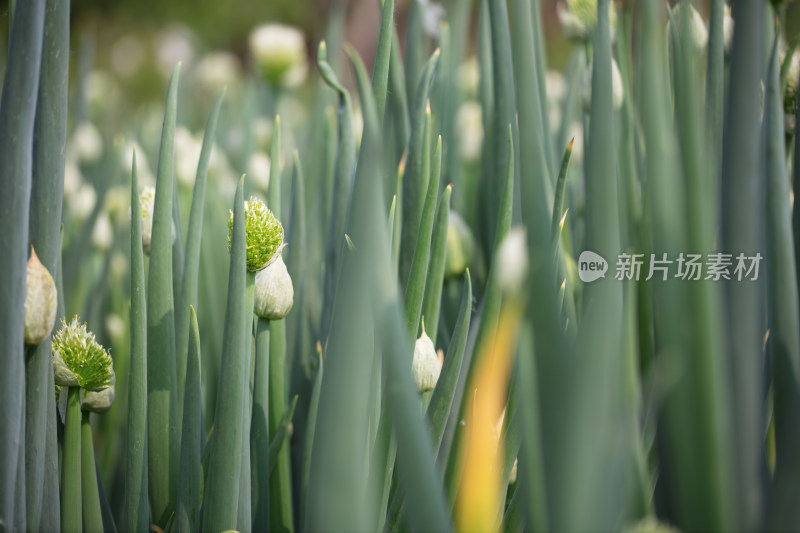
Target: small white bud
[[41, 301], [512, 261], [470, 130], [617, 89], [460, 246], [274, 293], [426, 366], [697, 27], [727, 28]]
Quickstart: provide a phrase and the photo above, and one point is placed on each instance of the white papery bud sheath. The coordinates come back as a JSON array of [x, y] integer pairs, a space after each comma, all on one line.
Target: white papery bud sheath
[[41, 301], [274, 293]]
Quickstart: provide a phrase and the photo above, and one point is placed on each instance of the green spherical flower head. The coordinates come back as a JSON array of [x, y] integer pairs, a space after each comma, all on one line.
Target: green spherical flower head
[[78, 360], [263, 234]]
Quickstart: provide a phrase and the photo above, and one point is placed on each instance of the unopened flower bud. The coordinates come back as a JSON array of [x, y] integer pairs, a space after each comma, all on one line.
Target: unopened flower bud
[[263, 234], [425, 366], [41, 301], [274, 293], [460, 246], [727, 28], [78, 360], [617, 89], [698, 33]]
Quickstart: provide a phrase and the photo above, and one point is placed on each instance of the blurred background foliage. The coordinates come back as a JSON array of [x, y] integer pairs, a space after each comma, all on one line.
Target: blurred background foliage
[[125, 34]]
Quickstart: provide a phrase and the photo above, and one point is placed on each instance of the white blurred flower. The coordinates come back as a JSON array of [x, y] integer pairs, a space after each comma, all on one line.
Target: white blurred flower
[[469, 122], [117, 202], [262, 132], [174, 44], [426, 366], [358, 125], [279, 52], [469, 76], [115, 327], [119, 266], [126, 56], [727, 28], [102, 91], [556, 85], [83, 201], [258, 168], [512, 261], [102, 233], [216, 70], [72, 179], [697, 26], [617, 89], [86, 145], [432, 16], [187, 156], [576, 133], [578, 18]]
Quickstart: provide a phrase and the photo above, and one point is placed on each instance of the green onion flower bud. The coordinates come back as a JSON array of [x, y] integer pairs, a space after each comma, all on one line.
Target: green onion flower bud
[[263, 233], [147, 203], [470, 127], [102, 400], [426, 366], [280, 53], [578, 18], [460, 246], [698, 33], [78, 360], [41, 301], [274, 293], [727, 28], [617, 89]]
